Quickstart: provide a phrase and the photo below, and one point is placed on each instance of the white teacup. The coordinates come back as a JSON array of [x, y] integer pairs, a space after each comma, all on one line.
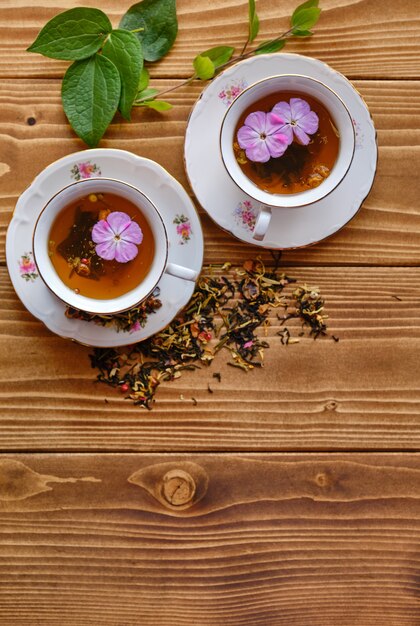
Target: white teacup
[[301, 85], [159, 264]]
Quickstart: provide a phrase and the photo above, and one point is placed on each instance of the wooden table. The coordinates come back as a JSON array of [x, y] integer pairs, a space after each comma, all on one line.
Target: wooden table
[[306, 508]]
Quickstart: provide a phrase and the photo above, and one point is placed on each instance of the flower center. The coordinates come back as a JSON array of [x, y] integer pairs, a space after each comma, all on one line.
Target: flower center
[[263, 136], [117, 237], [293, 123]]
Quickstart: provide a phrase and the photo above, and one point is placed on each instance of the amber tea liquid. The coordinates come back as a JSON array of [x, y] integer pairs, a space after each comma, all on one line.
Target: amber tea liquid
[[301, 167], [73, 255]]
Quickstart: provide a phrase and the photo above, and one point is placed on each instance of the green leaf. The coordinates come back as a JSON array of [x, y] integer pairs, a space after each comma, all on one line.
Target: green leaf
[[146, 94], [158, 105], [73, 35], [144, 80], [90, 93], [219, 55], [305, 5], [306, 18], [160, 24], [204, 67], [254, 22], [270, 46], [302, 33], [124, 50]]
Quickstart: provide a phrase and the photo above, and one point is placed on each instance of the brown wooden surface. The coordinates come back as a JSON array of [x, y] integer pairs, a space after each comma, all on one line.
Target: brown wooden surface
[[273, 539], [315, 518], [362, 392]]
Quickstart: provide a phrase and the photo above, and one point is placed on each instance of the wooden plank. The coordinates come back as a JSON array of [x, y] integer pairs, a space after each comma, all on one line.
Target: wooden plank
[[364, 38], [359, 393], [264, 540], [386, 231]]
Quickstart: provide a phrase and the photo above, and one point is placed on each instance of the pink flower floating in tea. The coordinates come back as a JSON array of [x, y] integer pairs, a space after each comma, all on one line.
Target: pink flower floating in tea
[[117, 237], [261, 138], [300, 121]]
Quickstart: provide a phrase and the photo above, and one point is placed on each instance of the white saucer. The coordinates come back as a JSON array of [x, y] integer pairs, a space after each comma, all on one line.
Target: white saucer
[[230, 207], [181, 221]]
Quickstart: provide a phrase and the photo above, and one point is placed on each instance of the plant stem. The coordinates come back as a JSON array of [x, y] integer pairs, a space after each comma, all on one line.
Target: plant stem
[[240, 57], [137, 30]]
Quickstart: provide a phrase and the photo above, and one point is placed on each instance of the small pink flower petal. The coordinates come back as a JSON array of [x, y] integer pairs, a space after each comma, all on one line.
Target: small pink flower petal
[[256, 121], [258, 153], [277, 144], [125, 251], [132, 234], [118, 221], [102, 232], [247, 136], [282, 109], [106, 250], [301, 136], [298, 108], [274, 119], [309, 122]]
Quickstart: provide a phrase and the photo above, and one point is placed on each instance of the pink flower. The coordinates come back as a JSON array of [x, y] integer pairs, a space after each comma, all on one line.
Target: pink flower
[[261, 138], [86, 169], [300, 121], [27, 266], [117, 237], [184, 229]]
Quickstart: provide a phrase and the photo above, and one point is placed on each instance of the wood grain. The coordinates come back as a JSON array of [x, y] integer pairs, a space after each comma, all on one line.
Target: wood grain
[[360, 393], [386, 231], [362, 38], [277, 539]]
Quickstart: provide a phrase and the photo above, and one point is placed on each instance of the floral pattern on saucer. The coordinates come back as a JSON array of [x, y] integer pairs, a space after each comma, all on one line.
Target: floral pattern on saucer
[[183, 228], [358, 133], [232, 91], [245, 215], [27, 268], [85, 169]]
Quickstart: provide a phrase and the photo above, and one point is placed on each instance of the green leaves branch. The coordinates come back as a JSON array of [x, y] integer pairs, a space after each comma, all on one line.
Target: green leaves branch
[[107, 73], [107, 63]]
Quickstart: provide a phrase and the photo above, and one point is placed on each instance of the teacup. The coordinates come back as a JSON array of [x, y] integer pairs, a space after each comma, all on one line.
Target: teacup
[[301, 86], [159, 264]]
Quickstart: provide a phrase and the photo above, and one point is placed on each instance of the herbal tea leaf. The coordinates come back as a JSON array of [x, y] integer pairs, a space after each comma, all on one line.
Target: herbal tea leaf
[[204, 67], [219, 55], [270, 46], [124, 50], [158, 105], [254, 22], [306, 18], [144, 81], [90, 93], [73, 35], [160, 24]]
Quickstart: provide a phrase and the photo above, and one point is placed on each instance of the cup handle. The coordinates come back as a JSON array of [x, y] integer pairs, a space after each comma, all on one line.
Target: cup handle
[[262, 223], [181, 272]]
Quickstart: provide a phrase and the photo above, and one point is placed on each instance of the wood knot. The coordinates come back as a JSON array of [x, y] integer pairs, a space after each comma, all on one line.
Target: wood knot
[[178, 487], [331, 406], [322, 479]]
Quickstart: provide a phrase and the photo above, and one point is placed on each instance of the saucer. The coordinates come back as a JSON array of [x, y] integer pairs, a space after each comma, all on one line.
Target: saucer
[[181, 221], [237, 212]]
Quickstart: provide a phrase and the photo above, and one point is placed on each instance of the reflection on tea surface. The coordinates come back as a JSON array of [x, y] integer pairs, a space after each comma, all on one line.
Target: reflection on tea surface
[[79, 260], [301, 167]]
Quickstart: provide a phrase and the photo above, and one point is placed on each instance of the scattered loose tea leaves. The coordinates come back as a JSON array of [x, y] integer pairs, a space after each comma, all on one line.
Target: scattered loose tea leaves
[[224, 313], [128, 321]]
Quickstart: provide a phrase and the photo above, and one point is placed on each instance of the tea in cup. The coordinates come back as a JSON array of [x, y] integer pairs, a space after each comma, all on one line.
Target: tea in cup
[[287, 141], [101, 246]]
